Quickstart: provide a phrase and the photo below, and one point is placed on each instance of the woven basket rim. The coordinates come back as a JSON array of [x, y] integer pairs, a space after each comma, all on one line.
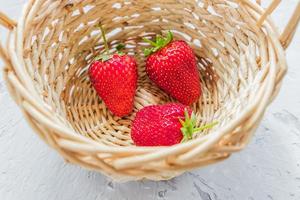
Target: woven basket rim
[[278, 43]]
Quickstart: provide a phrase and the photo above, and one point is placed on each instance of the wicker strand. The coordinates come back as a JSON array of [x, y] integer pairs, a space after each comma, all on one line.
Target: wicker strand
[[268, 11], [287, 35], [9, 24], [6, 21]]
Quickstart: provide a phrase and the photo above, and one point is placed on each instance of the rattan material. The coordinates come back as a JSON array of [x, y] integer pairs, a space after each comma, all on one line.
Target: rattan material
[[241, 61]]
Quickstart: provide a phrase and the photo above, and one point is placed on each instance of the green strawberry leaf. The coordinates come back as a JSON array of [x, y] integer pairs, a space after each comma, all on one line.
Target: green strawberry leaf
[[149, 41], [159, 43], [103, 57], [206, 126], [120, 53], [120, 47], [148, 51], [169, 37], [188, 126]]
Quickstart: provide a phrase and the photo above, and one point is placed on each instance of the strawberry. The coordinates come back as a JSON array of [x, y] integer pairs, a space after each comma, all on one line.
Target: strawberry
[[114, 77], [172, 66], [164, 125]]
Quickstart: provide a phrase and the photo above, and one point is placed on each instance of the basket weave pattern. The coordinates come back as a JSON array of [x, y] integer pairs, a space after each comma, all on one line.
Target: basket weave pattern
[[241, 62]]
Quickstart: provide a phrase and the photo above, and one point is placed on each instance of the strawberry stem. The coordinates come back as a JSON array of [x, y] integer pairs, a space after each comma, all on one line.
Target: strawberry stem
[[188, 126], [106, 55], [159, 43], [104, 38]]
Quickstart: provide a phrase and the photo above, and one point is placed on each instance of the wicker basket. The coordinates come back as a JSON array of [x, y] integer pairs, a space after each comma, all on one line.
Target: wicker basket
[[241, 60]]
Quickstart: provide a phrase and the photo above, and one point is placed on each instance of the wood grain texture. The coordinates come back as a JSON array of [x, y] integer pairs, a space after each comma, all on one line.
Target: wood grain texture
[[269, 168]]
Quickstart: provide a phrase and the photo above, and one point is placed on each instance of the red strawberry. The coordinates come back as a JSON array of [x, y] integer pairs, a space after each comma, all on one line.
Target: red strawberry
[[164, 125], [115, 79], [172, 66]]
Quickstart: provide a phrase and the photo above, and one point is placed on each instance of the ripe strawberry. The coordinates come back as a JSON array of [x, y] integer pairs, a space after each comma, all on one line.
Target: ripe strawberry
[[172, 66], [164, 125], [114, 77]]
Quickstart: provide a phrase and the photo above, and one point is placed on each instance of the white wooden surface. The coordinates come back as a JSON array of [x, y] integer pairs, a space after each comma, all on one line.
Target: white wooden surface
[[269, 168]]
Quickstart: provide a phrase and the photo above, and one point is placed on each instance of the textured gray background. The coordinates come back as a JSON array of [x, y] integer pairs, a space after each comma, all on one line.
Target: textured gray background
[[269, 168]]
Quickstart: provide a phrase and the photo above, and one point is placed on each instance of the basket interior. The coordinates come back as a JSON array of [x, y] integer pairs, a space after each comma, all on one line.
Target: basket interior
[[65, 41]]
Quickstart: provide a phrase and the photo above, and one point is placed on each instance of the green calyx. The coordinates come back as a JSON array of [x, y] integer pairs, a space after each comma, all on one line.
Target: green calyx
[[106, 55], [188, 126], [159, 43], [119, 48]]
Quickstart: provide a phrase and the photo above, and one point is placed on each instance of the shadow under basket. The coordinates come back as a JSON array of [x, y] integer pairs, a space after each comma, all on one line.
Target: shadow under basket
[[241, 61]]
